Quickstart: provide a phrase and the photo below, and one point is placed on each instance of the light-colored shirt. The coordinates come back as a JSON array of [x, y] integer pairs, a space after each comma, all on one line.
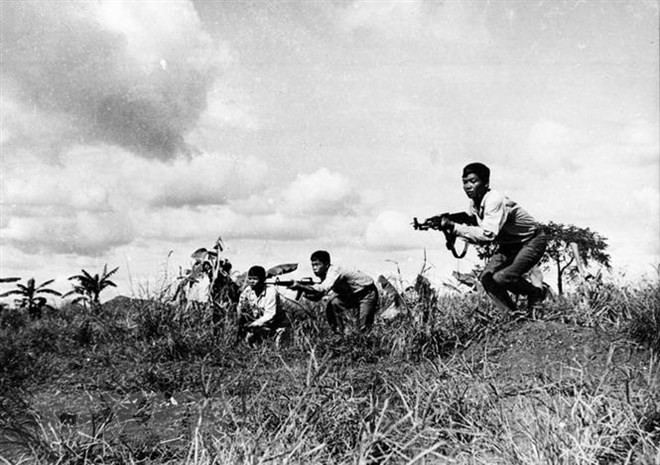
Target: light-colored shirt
[[343, 282], [263, 307], [499, 219]]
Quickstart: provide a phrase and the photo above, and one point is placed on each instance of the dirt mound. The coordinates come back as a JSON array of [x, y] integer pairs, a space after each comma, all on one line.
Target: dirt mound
[[552, 350]]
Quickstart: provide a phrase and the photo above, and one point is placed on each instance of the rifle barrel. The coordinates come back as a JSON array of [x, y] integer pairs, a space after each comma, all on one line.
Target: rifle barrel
[[289, 282]]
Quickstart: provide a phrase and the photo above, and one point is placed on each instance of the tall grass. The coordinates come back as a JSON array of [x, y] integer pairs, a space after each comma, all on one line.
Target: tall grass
[[147, 382]]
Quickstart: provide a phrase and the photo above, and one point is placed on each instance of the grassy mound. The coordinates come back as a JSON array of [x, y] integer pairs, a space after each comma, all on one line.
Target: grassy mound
[[450, 380]]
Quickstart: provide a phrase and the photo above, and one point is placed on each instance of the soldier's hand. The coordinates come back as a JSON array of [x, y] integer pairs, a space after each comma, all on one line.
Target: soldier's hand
[[446, 224]]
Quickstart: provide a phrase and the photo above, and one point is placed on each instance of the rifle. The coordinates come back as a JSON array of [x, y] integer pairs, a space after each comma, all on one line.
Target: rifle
[[435, 222], [291, 283]]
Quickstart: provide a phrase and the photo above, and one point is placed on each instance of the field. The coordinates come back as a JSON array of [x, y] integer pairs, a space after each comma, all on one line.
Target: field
[[450, 381]]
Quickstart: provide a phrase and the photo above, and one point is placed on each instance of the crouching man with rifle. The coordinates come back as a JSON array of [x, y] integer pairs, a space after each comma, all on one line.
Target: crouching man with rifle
[[353, 295], [260, 313], [493, 219]]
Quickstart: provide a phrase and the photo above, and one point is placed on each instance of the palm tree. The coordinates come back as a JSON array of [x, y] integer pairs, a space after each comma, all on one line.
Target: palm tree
[[30, 298], [90, 287]]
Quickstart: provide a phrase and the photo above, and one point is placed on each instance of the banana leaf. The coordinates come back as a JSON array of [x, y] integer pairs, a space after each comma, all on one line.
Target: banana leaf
[[279, 270]]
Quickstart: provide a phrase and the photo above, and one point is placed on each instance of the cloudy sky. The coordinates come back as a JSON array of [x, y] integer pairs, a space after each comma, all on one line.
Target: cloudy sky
[[133, 133]]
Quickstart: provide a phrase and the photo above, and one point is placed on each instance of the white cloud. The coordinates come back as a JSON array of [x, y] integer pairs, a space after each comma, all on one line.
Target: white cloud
[[133, 74], [180, 224], [98, 198], [451, 22], [206, 179], [392, 16], [228, 107], [647, 200], [550, 147], [92, 178], [641, 142], [391, 230], [79, 233], [320, 193]]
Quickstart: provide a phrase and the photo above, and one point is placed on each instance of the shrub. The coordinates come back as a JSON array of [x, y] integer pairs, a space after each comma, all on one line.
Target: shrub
[[643, 309]]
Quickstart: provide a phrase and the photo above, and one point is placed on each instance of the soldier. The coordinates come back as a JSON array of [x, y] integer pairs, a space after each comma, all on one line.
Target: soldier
[[352, 293], [260, 313], [519, 239]]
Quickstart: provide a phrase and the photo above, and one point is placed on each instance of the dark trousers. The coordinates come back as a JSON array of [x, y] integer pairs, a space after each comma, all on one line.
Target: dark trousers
[[360, 307], [504, 272]]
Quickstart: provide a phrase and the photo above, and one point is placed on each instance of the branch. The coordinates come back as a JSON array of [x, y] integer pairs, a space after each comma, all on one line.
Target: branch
[[561, 270]]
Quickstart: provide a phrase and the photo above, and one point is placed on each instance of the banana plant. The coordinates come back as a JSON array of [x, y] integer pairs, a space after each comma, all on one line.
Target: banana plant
[[30, 297], [88, 288]]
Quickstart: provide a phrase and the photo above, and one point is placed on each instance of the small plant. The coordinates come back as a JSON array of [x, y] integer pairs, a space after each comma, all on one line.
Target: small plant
[[223, 291], [31, 298], [89, 287]]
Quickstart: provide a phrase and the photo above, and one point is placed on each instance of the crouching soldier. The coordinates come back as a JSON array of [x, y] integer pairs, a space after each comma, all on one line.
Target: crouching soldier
[[260, 314], [352, 294], [519, 239]]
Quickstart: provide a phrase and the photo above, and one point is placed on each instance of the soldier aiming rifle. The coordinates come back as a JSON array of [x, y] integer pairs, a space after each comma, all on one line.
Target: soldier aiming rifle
[[494, 219], [352, 295]]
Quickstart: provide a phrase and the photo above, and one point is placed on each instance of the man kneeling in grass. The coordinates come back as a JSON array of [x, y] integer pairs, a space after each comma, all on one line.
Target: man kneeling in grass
[[519, 239], [352, 294], [260, 314]]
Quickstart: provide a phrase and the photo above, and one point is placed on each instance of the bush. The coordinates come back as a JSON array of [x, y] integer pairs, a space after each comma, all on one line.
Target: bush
[[644, 316]]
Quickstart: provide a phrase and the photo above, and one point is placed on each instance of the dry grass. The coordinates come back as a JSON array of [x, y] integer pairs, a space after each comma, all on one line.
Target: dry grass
[[146, 383]]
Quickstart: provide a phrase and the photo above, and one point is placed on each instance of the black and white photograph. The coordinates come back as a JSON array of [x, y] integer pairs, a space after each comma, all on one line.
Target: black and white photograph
[[330, 232]]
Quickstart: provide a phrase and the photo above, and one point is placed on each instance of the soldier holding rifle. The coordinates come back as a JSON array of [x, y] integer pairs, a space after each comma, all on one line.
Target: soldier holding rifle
[[493, 219], [353, 294]]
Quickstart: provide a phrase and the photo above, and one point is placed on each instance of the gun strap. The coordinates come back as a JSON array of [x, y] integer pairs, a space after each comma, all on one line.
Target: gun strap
[[451, 245], [462, 254]]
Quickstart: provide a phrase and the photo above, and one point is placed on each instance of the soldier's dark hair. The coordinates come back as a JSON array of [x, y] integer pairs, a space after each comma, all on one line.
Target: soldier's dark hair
[[481, 170], [258, 272], [322, 256]]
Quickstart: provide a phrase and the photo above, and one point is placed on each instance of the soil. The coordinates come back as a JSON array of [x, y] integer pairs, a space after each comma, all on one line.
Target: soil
[[552, 351]]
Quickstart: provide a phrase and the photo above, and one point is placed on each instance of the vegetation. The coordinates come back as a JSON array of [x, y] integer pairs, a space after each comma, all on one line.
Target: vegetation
[[449, 380], [591, 246], [31, 296], [88, 288]]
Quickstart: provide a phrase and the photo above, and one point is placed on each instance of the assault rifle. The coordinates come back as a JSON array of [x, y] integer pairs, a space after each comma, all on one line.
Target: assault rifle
[[292, 284], [435, 222]]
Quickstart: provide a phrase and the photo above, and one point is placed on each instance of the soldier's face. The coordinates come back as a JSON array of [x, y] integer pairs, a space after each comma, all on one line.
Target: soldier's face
[[254, 282], [474, 187], [319, 268]]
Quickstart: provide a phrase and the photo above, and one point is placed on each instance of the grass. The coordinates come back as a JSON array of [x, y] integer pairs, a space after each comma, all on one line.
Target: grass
[[451, 382]]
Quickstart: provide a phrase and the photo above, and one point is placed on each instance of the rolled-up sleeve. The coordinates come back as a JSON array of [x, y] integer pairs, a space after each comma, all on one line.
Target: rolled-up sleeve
[[489, 227], [330, 279]]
